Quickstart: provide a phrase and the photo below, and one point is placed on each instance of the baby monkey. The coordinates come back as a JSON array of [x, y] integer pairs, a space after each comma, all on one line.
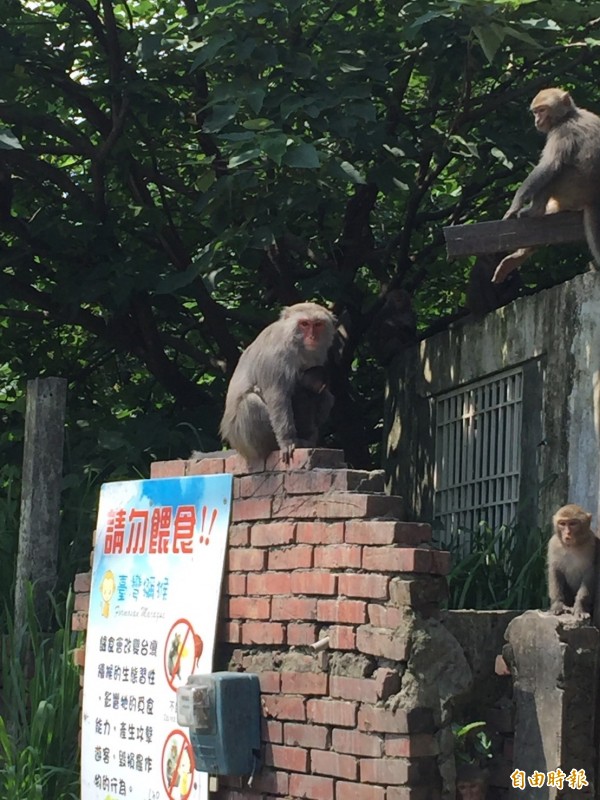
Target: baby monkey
[[572, 563]]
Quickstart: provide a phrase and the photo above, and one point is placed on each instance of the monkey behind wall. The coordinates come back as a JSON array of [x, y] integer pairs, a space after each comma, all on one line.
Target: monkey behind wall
[[573, 561], [272, 390], [567, 176]]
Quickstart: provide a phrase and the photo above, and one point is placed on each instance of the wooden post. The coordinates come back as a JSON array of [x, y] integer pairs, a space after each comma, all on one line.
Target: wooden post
[[40, 496]]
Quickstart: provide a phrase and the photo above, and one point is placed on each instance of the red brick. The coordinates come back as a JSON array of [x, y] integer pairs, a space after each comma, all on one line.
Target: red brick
[[235, 584], [251, 509], [327, 763], [305, 735], [83, 582], [309, 482], [387, 682], [271, 731], [245, 559], [304, 683], [442, 562], [342, 637], [270, 682], [275, 782], [293, 608], [337, 505], [320, 532], [356, 743], [264, 484], [314, 582], [231, 632], [418, 592], [380, 720], [380, 531], [239, 535], [307, 458], [387, 770], [82, 601], [332, 712], [205, 466], [386, 616], [236, 465], [354, 480], [299, 556], [263, 633], [301, 633], [273, 533], [354, 791], [340, 556], [269, 583], [167, 469], [357, 585], [362, 689], [249, 608], [291, 758], [397, 559], [382, 642], [79, 656], [313, 787], [342, 610], [414, 746], [285, 708], [79, 621]]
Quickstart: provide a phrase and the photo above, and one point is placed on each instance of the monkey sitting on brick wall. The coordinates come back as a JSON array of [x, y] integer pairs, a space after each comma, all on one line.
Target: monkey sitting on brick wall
[[573, 563], [278, 396]]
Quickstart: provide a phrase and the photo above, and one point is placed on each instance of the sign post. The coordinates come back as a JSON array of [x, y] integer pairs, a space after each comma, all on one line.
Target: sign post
[[154, 600]]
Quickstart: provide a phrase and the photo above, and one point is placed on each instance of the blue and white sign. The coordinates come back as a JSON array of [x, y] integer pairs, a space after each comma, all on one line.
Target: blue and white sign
[[154, 600]]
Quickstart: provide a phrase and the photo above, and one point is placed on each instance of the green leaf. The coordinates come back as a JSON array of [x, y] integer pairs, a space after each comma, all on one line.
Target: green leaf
[[221, 115], [8, 141], [243, 158], [303, 156], [259, 124]]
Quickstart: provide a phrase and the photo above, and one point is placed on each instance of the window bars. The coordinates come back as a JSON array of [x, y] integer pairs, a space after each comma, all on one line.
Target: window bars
[[478, 454]]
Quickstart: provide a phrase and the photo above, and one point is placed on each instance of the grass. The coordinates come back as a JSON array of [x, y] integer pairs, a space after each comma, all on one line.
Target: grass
[[39, 711], [502, 569]]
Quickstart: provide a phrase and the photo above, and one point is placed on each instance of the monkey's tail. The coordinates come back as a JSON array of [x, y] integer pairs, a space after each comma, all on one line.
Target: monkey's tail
[[591, 225]]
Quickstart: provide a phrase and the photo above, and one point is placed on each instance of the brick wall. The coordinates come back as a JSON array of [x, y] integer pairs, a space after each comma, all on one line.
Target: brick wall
[[319, 552]]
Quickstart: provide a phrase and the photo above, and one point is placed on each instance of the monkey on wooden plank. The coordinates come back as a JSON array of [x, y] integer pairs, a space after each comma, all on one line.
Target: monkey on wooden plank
[[567, 176], [572, 562], [276, 397]]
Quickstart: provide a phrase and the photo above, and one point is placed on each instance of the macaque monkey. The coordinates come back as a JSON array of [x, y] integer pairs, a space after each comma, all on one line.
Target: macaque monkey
[[484, 293], [311, 403], [572, 562], [471, 782], [274, 384], [567, 176]]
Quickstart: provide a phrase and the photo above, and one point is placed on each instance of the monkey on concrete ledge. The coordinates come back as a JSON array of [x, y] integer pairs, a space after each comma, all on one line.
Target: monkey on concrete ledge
[[572, 563], [278, 396]]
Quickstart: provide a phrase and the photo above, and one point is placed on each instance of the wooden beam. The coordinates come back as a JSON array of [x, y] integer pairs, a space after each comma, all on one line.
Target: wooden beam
[[504, 236]]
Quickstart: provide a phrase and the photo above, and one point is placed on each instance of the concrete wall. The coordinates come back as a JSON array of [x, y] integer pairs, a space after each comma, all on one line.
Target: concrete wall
[[555, 337]]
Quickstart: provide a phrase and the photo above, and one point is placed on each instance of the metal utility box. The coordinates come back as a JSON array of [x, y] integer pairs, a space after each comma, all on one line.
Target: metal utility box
[[222, 711]]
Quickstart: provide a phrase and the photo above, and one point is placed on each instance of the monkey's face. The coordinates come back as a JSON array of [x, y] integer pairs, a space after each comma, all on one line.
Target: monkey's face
[[542, 117], [471, 790], [571, 531], [312, 333]]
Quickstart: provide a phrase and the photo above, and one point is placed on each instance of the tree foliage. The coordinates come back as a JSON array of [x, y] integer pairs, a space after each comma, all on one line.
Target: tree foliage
[[171, 173]]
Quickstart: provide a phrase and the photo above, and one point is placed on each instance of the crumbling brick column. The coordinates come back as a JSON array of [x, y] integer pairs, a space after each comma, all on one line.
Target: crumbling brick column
[[554, 664], [319, 554]]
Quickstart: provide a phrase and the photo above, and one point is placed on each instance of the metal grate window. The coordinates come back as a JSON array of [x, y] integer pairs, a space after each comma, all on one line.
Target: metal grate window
[[478, 454]]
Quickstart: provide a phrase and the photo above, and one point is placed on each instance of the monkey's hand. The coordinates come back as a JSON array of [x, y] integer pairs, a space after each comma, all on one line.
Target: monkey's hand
[[558, 607], [287, 452], [579, 613], [510, 263]]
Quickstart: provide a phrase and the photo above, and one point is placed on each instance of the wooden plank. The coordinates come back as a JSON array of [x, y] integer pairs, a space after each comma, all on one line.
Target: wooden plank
[[500, 236], [40, 496]]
